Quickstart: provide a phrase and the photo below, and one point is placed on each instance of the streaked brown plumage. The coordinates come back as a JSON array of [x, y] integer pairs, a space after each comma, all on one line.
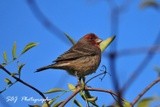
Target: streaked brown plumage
[[81, 59]]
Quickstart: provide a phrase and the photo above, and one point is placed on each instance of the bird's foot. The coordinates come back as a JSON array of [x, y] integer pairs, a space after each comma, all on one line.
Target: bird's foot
[[81, 82]]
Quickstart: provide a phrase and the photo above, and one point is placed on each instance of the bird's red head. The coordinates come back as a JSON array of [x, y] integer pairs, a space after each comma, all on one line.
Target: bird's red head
[[93, 39]]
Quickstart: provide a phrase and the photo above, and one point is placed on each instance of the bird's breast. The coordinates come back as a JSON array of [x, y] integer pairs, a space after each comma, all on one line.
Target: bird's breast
[[84, 65]]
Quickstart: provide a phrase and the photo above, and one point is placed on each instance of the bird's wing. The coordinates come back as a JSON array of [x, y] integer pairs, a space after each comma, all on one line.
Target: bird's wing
[[74, 53]]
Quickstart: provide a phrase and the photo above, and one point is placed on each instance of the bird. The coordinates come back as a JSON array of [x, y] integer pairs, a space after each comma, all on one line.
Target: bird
[[82, 59]]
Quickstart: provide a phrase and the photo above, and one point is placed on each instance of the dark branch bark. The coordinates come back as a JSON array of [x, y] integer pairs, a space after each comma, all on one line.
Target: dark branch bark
[[26, 84]]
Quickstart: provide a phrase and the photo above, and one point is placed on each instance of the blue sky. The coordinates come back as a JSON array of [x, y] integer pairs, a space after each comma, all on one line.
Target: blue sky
[[137, 28]]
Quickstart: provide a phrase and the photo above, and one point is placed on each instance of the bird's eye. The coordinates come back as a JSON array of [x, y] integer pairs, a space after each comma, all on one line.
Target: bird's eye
[[91, 38]]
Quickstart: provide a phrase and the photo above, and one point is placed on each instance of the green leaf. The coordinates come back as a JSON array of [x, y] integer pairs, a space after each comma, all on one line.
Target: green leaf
[[50, 102], [92, 99], [105, 105], [77, 103], [87, 94], [53, 100], [145, 102], [105, 43], [3, 64], [54, 90], [95, 105], [71, 87], [20, 69], [126, 103], [28, 47], [13, 74], [82, 95], [89, 97], [150, 3], [70, 39], [34, 105], [57, 104], [14, 51], [44, 105], [9, 82], [157, 69], [5, 57]]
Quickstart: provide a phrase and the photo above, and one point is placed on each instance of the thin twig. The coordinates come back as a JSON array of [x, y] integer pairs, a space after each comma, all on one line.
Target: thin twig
[[114, 98], [69, 98], [26, 84], [133, 51], [141, 66], [42, 18], [8, 86], [144, 91], [114, 19], [115, 79], [50, 26], [102, 90], [103, 73]]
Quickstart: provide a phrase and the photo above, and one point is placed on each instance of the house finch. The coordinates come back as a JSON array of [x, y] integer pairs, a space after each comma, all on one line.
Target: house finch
[[81, 59]]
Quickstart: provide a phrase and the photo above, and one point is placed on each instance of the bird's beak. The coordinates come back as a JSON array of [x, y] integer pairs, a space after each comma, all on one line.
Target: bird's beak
[[98, 41]]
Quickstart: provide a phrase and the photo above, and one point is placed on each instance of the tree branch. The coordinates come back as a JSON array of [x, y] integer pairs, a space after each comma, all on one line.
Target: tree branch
[[26, 84], [89, 89], [102, 90], [144, 91], [69, 98]]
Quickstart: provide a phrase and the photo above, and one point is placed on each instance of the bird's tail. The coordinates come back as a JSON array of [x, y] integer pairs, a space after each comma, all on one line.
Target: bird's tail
[[44, 68]]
